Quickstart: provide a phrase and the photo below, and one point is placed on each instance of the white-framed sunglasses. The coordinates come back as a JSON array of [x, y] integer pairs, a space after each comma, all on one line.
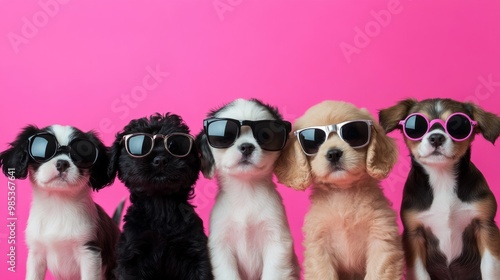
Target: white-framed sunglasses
[[356, 133]]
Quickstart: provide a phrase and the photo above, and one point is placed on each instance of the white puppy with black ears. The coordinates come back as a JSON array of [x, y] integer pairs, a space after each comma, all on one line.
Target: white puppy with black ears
[[67, 232], [249, 232]]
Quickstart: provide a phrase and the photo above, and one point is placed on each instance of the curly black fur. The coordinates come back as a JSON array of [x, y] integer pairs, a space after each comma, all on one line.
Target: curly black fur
[[162, 237]]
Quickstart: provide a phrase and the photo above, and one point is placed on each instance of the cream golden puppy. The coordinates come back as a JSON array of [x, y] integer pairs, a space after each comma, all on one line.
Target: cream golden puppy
[[350, 229]]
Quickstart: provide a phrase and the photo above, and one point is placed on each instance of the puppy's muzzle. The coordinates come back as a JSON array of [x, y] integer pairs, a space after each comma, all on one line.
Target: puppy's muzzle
[[62, 165], [246, 149], [334, 155], [159, 161], [436, 139]]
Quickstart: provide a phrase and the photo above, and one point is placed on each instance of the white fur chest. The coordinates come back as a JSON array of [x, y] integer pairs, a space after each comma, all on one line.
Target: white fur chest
[[54, 218], [448, 216], [248, 219], [58, 227], [241, 214]]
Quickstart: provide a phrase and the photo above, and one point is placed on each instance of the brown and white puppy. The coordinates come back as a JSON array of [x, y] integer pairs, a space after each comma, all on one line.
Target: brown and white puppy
[[350, 229], [448, 209]]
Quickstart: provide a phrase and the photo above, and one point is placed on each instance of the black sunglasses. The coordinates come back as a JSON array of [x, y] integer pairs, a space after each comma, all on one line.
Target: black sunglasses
[[271, 135], [44, 146], [355, 133], [141, 144]]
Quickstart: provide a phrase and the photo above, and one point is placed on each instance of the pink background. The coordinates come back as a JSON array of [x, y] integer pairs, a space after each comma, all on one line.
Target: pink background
[[72, 62]]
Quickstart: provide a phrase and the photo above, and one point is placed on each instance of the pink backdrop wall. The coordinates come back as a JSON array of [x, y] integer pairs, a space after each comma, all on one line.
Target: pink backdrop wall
[[83, 63]]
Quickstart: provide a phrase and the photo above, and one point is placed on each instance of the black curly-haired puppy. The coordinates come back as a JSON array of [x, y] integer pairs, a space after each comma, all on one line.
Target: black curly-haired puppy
[[162, 237]]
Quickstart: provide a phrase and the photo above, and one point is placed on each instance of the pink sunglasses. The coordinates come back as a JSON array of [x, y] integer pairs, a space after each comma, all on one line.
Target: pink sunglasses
[[458, 126]]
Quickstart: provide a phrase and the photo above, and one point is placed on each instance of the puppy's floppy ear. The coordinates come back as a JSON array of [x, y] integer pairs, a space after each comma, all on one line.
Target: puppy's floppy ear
[[17, 155], [389, 118], [114, 155], [206, 157], [489, 124], [292, 167], [382, 153], [99, 177]]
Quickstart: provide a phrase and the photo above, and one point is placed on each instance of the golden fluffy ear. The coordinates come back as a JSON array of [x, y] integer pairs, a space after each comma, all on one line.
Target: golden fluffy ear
[[292, 167], [382, 153], [489, 124]]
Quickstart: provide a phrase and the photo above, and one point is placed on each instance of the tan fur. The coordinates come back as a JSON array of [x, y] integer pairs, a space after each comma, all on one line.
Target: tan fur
[[489, 123], [381, 155], [488, 236], [292, 166], [416, 249], [350, 230]]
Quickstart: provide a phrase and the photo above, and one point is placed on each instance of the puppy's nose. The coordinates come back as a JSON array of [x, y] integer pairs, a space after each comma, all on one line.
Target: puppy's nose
[[62, 165], [334, 155], [159, 161], [246, 148], [437, 139]]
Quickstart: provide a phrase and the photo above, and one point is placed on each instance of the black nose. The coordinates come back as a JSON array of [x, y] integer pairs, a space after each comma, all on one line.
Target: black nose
[[159, 161], [437, 139], [246, 148], [334, 155], [62, 165]]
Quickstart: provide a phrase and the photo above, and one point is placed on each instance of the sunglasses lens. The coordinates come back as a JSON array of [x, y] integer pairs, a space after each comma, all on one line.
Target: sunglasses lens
[[356, 134], [179, 145], [271, 135], [310, 140], [43, 147], [139, 145], [459, 127], [83, 153], [416, 126], [222, 133]]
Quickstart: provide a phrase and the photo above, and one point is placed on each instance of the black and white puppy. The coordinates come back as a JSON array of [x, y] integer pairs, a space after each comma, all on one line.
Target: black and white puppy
[[448, 210], [162, 237], [67, 232], [249, 232]]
